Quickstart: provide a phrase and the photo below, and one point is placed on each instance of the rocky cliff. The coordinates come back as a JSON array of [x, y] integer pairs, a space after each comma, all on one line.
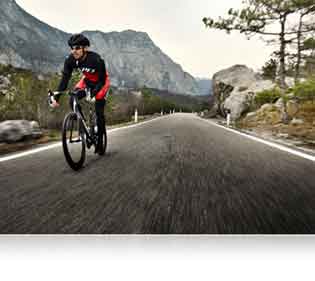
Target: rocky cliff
[[205, 86], [132, 57]]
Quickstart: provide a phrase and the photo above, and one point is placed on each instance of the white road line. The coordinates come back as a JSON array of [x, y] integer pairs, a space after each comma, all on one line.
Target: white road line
[[51, 146], [272, 144], [26, 153], [139, 124]]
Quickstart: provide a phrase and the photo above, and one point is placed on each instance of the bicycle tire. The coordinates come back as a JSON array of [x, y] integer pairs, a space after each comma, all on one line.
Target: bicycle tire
[[75, 165], [104, 147], [103, 151]]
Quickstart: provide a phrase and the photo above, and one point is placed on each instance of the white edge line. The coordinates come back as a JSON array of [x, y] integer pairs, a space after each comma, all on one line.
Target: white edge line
[[136, 125], [47, 147], [275, 145]]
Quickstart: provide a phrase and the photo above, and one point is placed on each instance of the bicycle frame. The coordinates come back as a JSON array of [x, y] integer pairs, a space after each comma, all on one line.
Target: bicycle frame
[[77, 111]]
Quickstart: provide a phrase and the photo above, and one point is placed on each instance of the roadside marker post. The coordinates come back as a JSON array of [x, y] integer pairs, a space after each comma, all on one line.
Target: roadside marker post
[[228, 117]]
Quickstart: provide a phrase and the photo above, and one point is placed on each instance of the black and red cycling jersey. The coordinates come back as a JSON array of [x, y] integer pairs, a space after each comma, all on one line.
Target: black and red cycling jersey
[[94, 73]]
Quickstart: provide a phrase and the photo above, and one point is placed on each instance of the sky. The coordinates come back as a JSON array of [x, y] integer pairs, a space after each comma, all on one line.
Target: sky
[[176, 27]]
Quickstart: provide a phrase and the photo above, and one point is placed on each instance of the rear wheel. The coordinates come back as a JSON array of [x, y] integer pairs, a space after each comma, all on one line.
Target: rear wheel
[[73, 141], [100, 142], [103, 147]]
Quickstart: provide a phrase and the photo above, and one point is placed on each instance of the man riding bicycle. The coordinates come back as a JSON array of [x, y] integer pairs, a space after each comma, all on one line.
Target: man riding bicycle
[[95, 79]]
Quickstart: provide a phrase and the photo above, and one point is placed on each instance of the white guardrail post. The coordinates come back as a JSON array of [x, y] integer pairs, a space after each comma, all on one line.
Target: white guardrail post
[[228, 117], [136, 115]]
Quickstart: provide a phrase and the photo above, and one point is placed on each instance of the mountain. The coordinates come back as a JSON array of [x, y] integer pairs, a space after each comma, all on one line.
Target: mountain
[[132, 58], [205, 86]]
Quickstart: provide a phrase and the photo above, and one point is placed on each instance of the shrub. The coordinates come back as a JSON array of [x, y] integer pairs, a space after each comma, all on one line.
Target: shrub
[[305, 90], [267, 96]]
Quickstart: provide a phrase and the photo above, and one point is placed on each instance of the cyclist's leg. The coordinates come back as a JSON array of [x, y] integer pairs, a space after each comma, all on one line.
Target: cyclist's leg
[[100, 108], [100, 119]]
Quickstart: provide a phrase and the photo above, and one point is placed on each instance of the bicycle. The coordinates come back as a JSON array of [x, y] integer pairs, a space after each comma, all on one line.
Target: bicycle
[[80, 132]]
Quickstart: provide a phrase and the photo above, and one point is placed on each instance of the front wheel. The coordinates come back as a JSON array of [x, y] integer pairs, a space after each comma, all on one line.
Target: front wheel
[[73, 141]]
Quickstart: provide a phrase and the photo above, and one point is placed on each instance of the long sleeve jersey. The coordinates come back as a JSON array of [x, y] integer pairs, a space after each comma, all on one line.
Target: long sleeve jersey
[[92, 67]]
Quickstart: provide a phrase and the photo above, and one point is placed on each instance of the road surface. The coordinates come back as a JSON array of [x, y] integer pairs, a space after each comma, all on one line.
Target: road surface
[[178, 174]]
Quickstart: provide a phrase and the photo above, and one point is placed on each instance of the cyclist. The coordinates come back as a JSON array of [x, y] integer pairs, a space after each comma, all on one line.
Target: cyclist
[[95, 79]]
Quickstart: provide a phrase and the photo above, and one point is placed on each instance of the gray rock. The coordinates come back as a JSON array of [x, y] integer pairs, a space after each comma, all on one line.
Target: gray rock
[[267, 107], [40, 77], [297, 121], [234, 88], [212, 113], [17, 130], [14, 130], [251, 114], [4, 84], [36, 131], [280, 104], [292, 107], [290, 82], [282, 135]]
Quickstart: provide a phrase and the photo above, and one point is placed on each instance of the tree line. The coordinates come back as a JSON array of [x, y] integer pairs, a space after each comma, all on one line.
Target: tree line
[[289, 24], [27, 99]]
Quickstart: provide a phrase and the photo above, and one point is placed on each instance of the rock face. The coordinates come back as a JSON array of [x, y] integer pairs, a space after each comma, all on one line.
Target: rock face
[[235, 87], [205, 86], [132, 58], [17, 130]]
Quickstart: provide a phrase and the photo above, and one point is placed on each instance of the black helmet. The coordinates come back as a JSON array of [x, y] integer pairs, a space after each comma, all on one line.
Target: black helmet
[[78, 40]]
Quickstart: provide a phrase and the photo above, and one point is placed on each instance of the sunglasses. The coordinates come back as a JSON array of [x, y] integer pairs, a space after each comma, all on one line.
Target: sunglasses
[[76, 48]]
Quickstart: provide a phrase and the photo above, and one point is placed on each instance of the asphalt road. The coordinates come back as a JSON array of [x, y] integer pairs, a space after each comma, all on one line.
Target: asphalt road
[[175, 175]]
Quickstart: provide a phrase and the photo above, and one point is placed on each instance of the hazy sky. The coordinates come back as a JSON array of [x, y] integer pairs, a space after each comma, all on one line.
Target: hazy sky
[[174, 26]]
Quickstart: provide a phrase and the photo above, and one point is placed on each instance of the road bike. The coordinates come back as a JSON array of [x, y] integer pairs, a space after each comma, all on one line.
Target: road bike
[[79, 132]]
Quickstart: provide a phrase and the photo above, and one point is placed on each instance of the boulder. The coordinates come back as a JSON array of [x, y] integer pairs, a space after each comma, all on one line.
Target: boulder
[[280, 104], [4, 84], [267, 114], [36, 131], [251, 114], [267, 107], [297, 122], [18, 130], [290, 82], [292, 108], [234, 88]]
